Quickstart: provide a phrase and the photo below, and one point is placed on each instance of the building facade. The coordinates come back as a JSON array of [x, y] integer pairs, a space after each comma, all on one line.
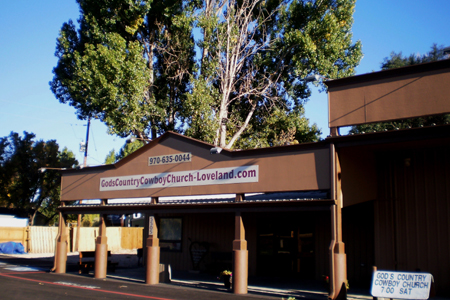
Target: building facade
[[333, 208]]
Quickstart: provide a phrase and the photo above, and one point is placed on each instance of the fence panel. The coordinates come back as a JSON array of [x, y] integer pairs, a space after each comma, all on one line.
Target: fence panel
[[132, 237], [14, 234], [88, 235], [43, 239]]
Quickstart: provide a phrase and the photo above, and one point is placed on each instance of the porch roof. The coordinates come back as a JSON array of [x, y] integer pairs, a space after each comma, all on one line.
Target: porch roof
[[288, 201]]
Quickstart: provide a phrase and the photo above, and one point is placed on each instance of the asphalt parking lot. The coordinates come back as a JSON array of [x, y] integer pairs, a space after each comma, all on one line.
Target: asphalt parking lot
[[31, 278]]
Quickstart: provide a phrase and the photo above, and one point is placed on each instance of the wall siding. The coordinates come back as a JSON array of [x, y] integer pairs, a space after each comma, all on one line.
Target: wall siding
[[218, 231], [412, 213], [215, 229], [358, 237]]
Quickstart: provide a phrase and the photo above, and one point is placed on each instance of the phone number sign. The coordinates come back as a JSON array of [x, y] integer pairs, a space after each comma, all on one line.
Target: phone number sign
[[401, 285], [170, 159]]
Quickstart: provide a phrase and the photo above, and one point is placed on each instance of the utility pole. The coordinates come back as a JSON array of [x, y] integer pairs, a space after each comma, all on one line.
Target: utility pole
[[77, 242], [87, 142]]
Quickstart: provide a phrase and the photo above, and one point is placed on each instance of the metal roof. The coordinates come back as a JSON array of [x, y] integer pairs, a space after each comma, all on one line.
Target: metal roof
[[222, 198], [216, 203]]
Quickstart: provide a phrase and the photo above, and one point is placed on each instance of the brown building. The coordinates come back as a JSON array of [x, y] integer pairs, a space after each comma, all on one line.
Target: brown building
[[335, 207]]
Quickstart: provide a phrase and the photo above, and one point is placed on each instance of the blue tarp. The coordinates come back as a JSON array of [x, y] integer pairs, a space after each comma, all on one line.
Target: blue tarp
[[12, 248]]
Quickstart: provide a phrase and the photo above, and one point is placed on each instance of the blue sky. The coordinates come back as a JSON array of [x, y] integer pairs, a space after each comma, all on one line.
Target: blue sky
[[28, 32]]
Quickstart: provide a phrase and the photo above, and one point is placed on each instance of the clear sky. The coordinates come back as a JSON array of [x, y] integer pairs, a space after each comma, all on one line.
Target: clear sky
[[29, 28]]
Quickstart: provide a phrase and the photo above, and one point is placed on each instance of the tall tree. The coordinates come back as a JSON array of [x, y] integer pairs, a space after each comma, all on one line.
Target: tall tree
[[251, 69], [133, 65], [127, 64], [23, 186], [397, 60]]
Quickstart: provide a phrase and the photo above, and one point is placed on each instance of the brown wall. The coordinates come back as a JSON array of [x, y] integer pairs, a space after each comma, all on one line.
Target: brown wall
[[290, 168], [412, 213], [218, 231], [322, 243], [390, 95], [215, 229], [359, 180], [358, 236]]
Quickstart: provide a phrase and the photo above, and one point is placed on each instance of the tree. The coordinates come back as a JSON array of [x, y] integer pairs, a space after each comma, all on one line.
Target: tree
[[250, 71], [133, 65], [127, 64], [127, 149], [23, 186], [397, 60]]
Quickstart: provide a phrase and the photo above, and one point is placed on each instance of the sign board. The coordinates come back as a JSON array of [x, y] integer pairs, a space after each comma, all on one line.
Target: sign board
[[241, 174], [401, 285], [174, 165]]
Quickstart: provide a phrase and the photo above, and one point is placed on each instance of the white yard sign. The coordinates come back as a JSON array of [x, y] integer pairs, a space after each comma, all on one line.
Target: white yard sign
[[401, 285]]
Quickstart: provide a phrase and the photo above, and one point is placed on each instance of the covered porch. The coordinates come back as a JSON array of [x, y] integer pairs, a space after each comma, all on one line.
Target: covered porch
[[273, 235]]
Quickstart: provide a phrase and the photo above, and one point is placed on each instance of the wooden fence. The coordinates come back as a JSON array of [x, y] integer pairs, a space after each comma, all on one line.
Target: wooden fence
[[15, 234], [42, 239]]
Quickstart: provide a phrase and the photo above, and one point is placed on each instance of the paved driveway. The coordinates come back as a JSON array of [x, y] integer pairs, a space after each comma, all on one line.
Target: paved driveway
[[22, 278]]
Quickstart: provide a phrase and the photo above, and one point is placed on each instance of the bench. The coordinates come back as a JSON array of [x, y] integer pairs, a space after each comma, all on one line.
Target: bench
[[85, 266]]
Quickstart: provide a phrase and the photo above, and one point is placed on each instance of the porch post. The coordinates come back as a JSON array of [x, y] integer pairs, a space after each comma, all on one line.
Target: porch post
[[240, 255], [152, 255], [101, 249], [338, 257], [61, 245]]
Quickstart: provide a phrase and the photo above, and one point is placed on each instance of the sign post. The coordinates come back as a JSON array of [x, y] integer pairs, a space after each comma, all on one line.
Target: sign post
[[401, 285]]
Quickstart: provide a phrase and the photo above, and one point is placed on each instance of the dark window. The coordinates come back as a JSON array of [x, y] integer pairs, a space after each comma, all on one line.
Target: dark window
[[170, 234]]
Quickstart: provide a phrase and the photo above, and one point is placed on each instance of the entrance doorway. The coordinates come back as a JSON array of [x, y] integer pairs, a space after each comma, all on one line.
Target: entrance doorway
[[286, 246]]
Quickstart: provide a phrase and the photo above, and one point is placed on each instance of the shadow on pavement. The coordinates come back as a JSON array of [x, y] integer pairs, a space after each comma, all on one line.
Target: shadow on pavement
[[129, 271]]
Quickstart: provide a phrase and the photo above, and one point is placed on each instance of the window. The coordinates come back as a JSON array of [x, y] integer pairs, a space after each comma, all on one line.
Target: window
[[170, 234]]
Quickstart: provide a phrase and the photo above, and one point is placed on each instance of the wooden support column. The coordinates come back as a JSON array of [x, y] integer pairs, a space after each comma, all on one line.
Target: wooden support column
[[240, 257], [77, 238], [101, 249], [334, 131], [338, 257], [153, 251], [239, 198], [145, 233], [61, 245]]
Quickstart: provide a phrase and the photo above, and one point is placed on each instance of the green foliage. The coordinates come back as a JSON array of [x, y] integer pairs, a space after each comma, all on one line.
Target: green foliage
[[127, 65], [397, 60], [250, 73], [111, 157], [279, 128], [90, 220], [316, 38], [199, 111], [133, 65], [126, 150], [23, 186]]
